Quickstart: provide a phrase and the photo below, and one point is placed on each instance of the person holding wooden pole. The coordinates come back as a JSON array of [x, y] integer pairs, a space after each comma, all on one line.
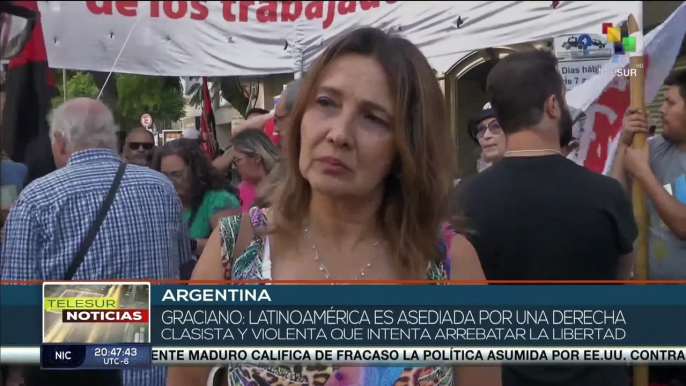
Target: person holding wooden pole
[[658, 172]]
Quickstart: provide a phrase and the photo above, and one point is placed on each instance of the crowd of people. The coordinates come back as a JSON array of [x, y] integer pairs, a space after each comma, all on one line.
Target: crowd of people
[[352, 178]]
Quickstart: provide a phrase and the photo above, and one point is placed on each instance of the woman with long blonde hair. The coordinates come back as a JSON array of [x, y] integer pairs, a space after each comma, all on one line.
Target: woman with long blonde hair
[[254, 156], [366, 171]]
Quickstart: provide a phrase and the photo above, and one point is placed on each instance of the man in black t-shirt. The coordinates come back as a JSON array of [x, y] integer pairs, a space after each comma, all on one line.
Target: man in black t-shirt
[[536, 215]]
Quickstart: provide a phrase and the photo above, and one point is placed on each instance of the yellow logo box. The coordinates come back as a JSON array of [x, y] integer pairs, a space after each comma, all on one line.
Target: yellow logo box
[[100, 303], [614, 35]]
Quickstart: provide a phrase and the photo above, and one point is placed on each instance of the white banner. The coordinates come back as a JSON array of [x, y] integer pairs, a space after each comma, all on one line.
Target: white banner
[[577, 72], [605, 97], [420, 356], [198, 38]]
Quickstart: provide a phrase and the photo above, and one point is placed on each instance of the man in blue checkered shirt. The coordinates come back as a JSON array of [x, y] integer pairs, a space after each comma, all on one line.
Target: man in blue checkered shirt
[[142, 237]]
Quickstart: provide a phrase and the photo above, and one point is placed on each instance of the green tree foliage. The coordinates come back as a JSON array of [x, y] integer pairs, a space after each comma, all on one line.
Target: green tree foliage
[[79, 84], [109, 93], [135, 94], [158, 96]]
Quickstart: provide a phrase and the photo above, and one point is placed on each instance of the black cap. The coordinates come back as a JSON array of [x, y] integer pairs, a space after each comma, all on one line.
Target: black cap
[[473, 124]]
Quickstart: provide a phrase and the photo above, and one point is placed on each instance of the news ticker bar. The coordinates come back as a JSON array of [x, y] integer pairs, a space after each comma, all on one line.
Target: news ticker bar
[[194, 356]]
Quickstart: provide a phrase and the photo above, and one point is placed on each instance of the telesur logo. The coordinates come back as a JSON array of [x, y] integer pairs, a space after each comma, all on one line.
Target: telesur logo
[[621, 45]]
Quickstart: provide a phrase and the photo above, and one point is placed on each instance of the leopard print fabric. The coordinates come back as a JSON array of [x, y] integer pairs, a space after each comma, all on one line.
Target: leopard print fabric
[[246, 375], [314, 375]]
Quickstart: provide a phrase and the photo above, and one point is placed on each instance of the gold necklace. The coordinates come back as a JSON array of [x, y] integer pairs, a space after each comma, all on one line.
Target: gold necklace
[[323, 268], [534, 151]]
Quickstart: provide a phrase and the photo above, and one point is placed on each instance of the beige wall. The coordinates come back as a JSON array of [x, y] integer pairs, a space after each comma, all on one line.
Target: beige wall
[[272, 86], [224, 135]]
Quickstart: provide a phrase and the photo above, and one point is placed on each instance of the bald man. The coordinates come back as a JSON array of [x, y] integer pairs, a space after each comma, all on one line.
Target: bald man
[[139, 147]]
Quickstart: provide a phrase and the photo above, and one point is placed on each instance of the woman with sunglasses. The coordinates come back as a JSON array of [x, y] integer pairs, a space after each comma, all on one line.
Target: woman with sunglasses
[[206, 195], [254, 157], [484, 129]]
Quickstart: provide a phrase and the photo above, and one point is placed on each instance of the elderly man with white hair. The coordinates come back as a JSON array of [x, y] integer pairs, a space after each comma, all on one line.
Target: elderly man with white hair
[[95, 218]]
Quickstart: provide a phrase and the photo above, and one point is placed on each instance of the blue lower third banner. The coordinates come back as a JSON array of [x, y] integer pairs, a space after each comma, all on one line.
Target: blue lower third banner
[[486, 326], [413, 318]]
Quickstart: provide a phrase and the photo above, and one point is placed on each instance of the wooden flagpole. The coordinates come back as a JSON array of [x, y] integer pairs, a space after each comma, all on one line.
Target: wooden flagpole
[[638, 194], [64, 84]]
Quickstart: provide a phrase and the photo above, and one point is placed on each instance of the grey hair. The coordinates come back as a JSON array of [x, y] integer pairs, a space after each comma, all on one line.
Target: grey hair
[[84, 123], [290, 94]]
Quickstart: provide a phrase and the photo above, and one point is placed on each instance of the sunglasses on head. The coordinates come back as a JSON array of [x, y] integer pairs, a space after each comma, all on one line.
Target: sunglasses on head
[[138, 145], [493, 127]]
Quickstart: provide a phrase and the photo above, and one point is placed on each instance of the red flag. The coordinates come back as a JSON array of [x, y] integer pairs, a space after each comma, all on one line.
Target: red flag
[[29, 88], [606, 128], [208, 131]]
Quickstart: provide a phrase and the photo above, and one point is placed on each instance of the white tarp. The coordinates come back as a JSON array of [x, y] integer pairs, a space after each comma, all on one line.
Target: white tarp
[[197, 38]]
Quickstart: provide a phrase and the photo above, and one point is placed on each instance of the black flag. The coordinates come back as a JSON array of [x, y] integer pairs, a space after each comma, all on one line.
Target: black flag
[[29, 87]]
